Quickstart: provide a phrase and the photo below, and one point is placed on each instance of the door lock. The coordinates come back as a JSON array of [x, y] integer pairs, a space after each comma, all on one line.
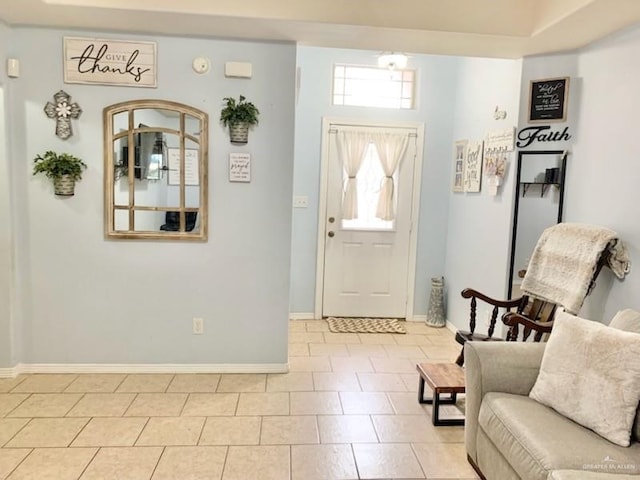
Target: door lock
[[331, 234]]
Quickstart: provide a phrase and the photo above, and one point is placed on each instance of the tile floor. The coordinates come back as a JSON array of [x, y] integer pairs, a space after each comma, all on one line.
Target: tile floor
[[348, 409]]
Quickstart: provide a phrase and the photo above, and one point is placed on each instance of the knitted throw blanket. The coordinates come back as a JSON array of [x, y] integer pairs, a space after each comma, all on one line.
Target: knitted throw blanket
[[565, 260]]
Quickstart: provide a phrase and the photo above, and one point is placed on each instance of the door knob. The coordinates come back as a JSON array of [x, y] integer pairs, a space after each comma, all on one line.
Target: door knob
[[332, 219], [331, 234]]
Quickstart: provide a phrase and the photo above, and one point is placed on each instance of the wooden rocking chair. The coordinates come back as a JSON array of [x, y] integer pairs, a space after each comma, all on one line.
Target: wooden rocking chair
[[531, 313]]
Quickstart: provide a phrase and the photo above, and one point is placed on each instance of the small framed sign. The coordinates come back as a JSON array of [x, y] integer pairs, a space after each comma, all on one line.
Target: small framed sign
[[459, 160], [191, 170], [109, 62], [239, 167], [548, 100]]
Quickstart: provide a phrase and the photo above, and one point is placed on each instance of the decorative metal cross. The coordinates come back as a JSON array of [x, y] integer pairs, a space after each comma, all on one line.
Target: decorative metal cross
[[63, 111]]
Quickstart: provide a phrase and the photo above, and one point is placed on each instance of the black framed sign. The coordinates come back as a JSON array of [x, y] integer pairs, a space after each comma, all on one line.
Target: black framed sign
[[548, 100]]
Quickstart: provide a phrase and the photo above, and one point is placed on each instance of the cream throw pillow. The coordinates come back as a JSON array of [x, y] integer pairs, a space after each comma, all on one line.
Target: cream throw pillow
[[590, 373]]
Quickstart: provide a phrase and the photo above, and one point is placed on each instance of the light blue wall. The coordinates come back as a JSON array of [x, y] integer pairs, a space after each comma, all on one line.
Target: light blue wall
[[479, 228], [6, 231], [84, 299], [436, 91]]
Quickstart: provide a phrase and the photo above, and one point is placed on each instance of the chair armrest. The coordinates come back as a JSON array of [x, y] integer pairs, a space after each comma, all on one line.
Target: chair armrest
[[471, 293], [510, 367], [514, 320]]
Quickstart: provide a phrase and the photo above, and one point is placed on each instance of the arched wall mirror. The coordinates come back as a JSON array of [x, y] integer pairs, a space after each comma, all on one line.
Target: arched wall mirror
[[538, 204], [156, 157]]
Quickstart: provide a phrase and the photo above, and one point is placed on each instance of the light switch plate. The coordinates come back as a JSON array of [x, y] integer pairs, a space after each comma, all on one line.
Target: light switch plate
[[300, 201]]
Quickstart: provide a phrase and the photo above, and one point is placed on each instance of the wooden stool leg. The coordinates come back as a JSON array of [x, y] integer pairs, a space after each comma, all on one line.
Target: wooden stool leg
[[421, 391]]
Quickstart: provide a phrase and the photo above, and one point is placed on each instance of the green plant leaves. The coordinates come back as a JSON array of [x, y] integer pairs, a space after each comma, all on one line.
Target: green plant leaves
[[55, 165]]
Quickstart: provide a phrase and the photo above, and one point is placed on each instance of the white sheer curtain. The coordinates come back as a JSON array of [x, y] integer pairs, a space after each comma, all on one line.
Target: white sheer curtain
[[391, 148], [352, 147]]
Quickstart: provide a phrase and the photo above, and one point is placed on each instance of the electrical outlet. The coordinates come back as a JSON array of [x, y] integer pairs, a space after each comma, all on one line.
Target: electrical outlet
[[198, 326], [300, 201]]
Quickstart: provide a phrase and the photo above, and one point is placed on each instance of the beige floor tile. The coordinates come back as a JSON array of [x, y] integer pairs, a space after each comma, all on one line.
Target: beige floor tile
[[289, 430], [46, 405], [290, 382], [306, 337], [315, 403], [381, 382], [48, 432], [231, 431], [351, 364], [328, 349], [210, 404], [8, 384], [441, 352], [377, 339], [322, 462], [102, 383], [297, 326], [54, 464], [383, 461], [360, 350], [9, 401], [309, 364], [317, 326], [157, 405], [402, 428], [444, 341], [145, 383], [123, 463], [183, 431], [448, 460], [191, 463], [393, 365], [102, 405], [346, 429], [336, 381], [9, 427], [350, 338], [265, 462], [365, 403], [10, 458], [243, 382], [422, 328], [110, 432], [196, 383], [411, 382], [405, 351], [406, 403], [414, 339], [298, 349], [274, 403], [44, 383]]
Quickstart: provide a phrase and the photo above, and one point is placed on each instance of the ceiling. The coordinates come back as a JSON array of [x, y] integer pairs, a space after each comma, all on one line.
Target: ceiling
[[485, 28]]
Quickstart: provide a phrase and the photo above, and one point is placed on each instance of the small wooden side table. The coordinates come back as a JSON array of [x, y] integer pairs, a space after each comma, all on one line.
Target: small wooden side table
[[441, 378]]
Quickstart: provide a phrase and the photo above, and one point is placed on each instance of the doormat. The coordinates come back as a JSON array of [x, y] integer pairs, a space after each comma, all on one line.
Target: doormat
[[365, 325]]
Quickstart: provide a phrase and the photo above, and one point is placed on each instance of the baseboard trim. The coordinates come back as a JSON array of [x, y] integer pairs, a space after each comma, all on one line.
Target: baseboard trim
[[144, 368], [418, 318], [302, 316]]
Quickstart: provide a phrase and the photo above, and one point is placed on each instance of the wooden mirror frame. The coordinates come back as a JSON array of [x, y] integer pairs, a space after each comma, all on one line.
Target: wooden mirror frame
[[181, 111]]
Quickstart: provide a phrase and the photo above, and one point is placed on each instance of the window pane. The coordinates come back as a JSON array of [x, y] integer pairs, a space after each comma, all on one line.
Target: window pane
[[373, 87]]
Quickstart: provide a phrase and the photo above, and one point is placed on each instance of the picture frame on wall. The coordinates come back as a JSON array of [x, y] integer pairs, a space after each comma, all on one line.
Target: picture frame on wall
[[459, 159], [473, 167], [548, 100]]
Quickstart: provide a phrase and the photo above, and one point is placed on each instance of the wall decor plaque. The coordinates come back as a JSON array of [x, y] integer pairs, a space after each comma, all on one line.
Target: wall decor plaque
[[110, 62], [548, 100]]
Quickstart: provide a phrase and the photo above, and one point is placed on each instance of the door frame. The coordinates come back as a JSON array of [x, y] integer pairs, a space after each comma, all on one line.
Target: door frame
[[322, 202]]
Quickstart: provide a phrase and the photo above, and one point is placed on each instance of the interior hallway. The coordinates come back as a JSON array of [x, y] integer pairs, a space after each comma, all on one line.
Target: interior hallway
[[347, 410]]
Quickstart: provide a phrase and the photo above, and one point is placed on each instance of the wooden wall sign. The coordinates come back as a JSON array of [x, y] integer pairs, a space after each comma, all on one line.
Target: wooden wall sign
[[548, 100], [110, 62]]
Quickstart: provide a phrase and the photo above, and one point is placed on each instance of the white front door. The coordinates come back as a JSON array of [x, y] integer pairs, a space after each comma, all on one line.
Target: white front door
[[367, 260]]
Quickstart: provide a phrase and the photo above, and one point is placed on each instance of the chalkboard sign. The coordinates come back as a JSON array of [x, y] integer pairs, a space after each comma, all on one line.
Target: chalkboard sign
[[548, 100]]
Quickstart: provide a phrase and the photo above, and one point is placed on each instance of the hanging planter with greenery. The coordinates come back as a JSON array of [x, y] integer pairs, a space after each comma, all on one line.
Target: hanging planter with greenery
[[63, 168], [239, 116]]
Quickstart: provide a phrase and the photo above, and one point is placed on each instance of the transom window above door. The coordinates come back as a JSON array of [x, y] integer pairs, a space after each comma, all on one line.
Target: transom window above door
[[365, 86]]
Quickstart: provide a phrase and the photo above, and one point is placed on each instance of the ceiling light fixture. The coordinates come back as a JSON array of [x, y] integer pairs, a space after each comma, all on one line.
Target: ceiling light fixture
[[392, 60]]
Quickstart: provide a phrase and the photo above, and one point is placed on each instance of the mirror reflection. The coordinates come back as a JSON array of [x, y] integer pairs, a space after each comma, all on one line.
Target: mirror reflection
[[155, 170], [538, 203]]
